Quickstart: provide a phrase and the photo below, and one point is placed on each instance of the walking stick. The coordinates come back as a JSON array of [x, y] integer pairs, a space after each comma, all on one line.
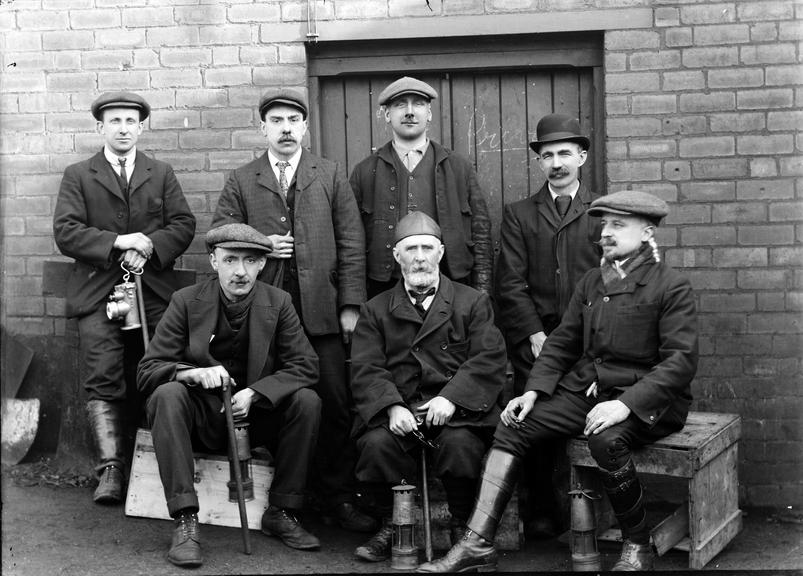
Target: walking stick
[[235, 457], [141, 304], [425, 495]]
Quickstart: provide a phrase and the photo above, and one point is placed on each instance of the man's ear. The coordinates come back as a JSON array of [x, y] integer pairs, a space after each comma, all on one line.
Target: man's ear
[[583, 155], [396, 255], [213, 260], [441, 251], [99, 127], [648, 232], [262, 261]]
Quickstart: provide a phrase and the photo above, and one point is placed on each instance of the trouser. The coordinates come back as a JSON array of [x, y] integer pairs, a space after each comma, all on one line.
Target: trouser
[[386, 460], [335, 454], [182, 417]]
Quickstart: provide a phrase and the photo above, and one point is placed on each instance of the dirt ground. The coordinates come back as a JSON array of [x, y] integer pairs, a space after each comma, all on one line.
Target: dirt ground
[[51, 527]]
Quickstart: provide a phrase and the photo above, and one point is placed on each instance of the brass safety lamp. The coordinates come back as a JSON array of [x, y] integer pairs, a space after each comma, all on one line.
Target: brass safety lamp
[[585, 555], [244, 457], [403, 551]]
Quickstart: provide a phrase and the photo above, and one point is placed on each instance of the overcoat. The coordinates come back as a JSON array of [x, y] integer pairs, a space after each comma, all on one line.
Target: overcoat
[[456, 352], [637, 339], [329, 239], [280, 358], [91, 212], [541, 260], [462, 214]]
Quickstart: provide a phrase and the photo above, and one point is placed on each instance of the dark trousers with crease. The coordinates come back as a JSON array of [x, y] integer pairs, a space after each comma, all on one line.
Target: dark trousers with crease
[[182, 418]]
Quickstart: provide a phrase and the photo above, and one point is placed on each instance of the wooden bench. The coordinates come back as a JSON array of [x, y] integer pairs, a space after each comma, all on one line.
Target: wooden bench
[[705, 454]]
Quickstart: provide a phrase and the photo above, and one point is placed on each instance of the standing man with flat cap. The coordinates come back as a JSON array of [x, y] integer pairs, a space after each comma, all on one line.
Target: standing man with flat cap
[[117, 209], [232, 327], [304, 204], [413, 173], [618, 369], [548, 241], [427, 358]]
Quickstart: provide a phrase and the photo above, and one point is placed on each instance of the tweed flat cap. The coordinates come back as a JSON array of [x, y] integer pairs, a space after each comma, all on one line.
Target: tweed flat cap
[[120, 100], [558, 128], [287, 96], [416, 223], [631, 202], [237, 236], [406, 85]]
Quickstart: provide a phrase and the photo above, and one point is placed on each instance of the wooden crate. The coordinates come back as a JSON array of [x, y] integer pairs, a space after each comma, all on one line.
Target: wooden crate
[[146, 498], [705, 453]]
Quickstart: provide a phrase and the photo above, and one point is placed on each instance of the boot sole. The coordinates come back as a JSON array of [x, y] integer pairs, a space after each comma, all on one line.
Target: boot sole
[[185, 563], [294, 546], [370, 558]]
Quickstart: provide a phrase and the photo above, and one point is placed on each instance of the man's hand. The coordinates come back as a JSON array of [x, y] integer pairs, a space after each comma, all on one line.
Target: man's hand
[[133, 260], [348, 320], [537, 342], [401, 420], [439, 411], [517, 409], [241, 403], [283, 245], [135, 241], [604, 415], [207, 378]]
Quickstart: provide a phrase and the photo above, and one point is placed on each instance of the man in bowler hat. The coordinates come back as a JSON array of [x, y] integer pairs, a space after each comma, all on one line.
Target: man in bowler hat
[[414, 173], [618, 369], [305, 205], [232, 327], [118, 208], [547, 244], [427, 358]]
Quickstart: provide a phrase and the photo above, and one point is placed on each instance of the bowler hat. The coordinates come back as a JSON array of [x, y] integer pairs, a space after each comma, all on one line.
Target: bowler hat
[[558, 128], [416, 223], [237, 235], [287, 96], [406, 85], [631, 202], [120, 100]]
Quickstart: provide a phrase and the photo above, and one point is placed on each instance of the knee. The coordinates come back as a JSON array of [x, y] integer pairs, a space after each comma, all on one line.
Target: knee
[[608, 449], [375, 443], [168, 395], [306, 403]]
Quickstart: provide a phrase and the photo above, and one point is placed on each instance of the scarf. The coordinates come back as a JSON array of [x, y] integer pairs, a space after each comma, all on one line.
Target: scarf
[[613, 273]]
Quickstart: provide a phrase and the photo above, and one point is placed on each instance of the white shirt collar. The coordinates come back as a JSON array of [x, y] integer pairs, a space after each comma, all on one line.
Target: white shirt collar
[[114, 159], [429, 299], [290, 170], [573, 193]]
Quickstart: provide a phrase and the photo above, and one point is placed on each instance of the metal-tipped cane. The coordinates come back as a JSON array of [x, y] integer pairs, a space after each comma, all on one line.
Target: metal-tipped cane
[[225, 383]]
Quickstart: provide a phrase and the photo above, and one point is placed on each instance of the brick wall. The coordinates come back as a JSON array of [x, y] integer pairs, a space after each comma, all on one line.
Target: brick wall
[[702, 108]]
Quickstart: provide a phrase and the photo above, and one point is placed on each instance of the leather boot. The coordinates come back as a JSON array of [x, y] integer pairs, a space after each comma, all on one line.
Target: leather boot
[[106, 419], [377, 548], [475, 551], [284, 525], [635, 558], [185, 550], [627, 500]]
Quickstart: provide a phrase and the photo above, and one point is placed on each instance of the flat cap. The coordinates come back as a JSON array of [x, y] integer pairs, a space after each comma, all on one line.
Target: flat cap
[[558, 128], [631, 202], [286, 96], [237, 235], [416, 223], [120, 100], [406, 85]]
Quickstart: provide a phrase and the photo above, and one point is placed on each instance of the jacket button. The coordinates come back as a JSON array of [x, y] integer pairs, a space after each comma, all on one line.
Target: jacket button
[[448, 374], [652, 418], [605, 299], [393, 187], [390, 226], [387, 266], [283, 218], [392, 207], [444, 346], [387, 246], [598, 360], [557, 271], [120, 215], [416, 348]]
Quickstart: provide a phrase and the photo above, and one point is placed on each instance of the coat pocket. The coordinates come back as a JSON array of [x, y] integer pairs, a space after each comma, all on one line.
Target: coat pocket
[[635, 333]]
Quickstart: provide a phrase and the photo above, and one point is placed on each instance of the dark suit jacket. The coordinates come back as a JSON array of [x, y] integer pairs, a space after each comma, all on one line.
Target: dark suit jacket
[[280, 358], [541, 260], [91, 212], [462, 214], [329, 239], [456, 352], [637, 340]]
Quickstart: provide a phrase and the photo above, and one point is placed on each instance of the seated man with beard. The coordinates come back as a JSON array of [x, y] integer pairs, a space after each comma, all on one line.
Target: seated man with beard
[[427, 347]]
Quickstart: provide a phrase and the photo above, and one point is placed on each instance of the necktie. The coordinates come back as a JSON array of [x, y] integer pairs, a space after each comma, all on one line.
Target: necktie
[[419, 299], [123, 177], [284, 185], [562, 204]]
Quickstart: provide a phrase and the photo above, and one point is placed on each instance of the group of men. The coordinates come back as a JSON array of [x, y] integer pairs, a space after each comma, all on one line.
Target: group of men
[[391, 267]]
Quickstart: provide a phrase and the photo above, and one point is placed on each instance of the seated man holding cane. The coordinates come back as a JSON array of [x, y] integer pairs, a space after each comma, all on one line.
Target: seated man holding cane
[[427, 359], [618, 369], [232, 327]]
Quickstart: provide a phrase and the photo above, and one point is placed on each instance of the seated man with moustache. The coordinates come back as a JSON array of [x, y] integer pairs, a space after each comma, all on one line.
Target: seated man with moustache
[[233, 327]]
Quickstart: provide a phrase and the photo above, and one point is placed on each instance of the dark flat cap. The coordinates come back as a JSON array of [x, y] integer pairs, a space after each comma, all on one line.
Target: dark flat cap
[[237, 236], [558, 128], [416, 223], [406, 85], [631, 202], [120, 100], [286, 96]]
